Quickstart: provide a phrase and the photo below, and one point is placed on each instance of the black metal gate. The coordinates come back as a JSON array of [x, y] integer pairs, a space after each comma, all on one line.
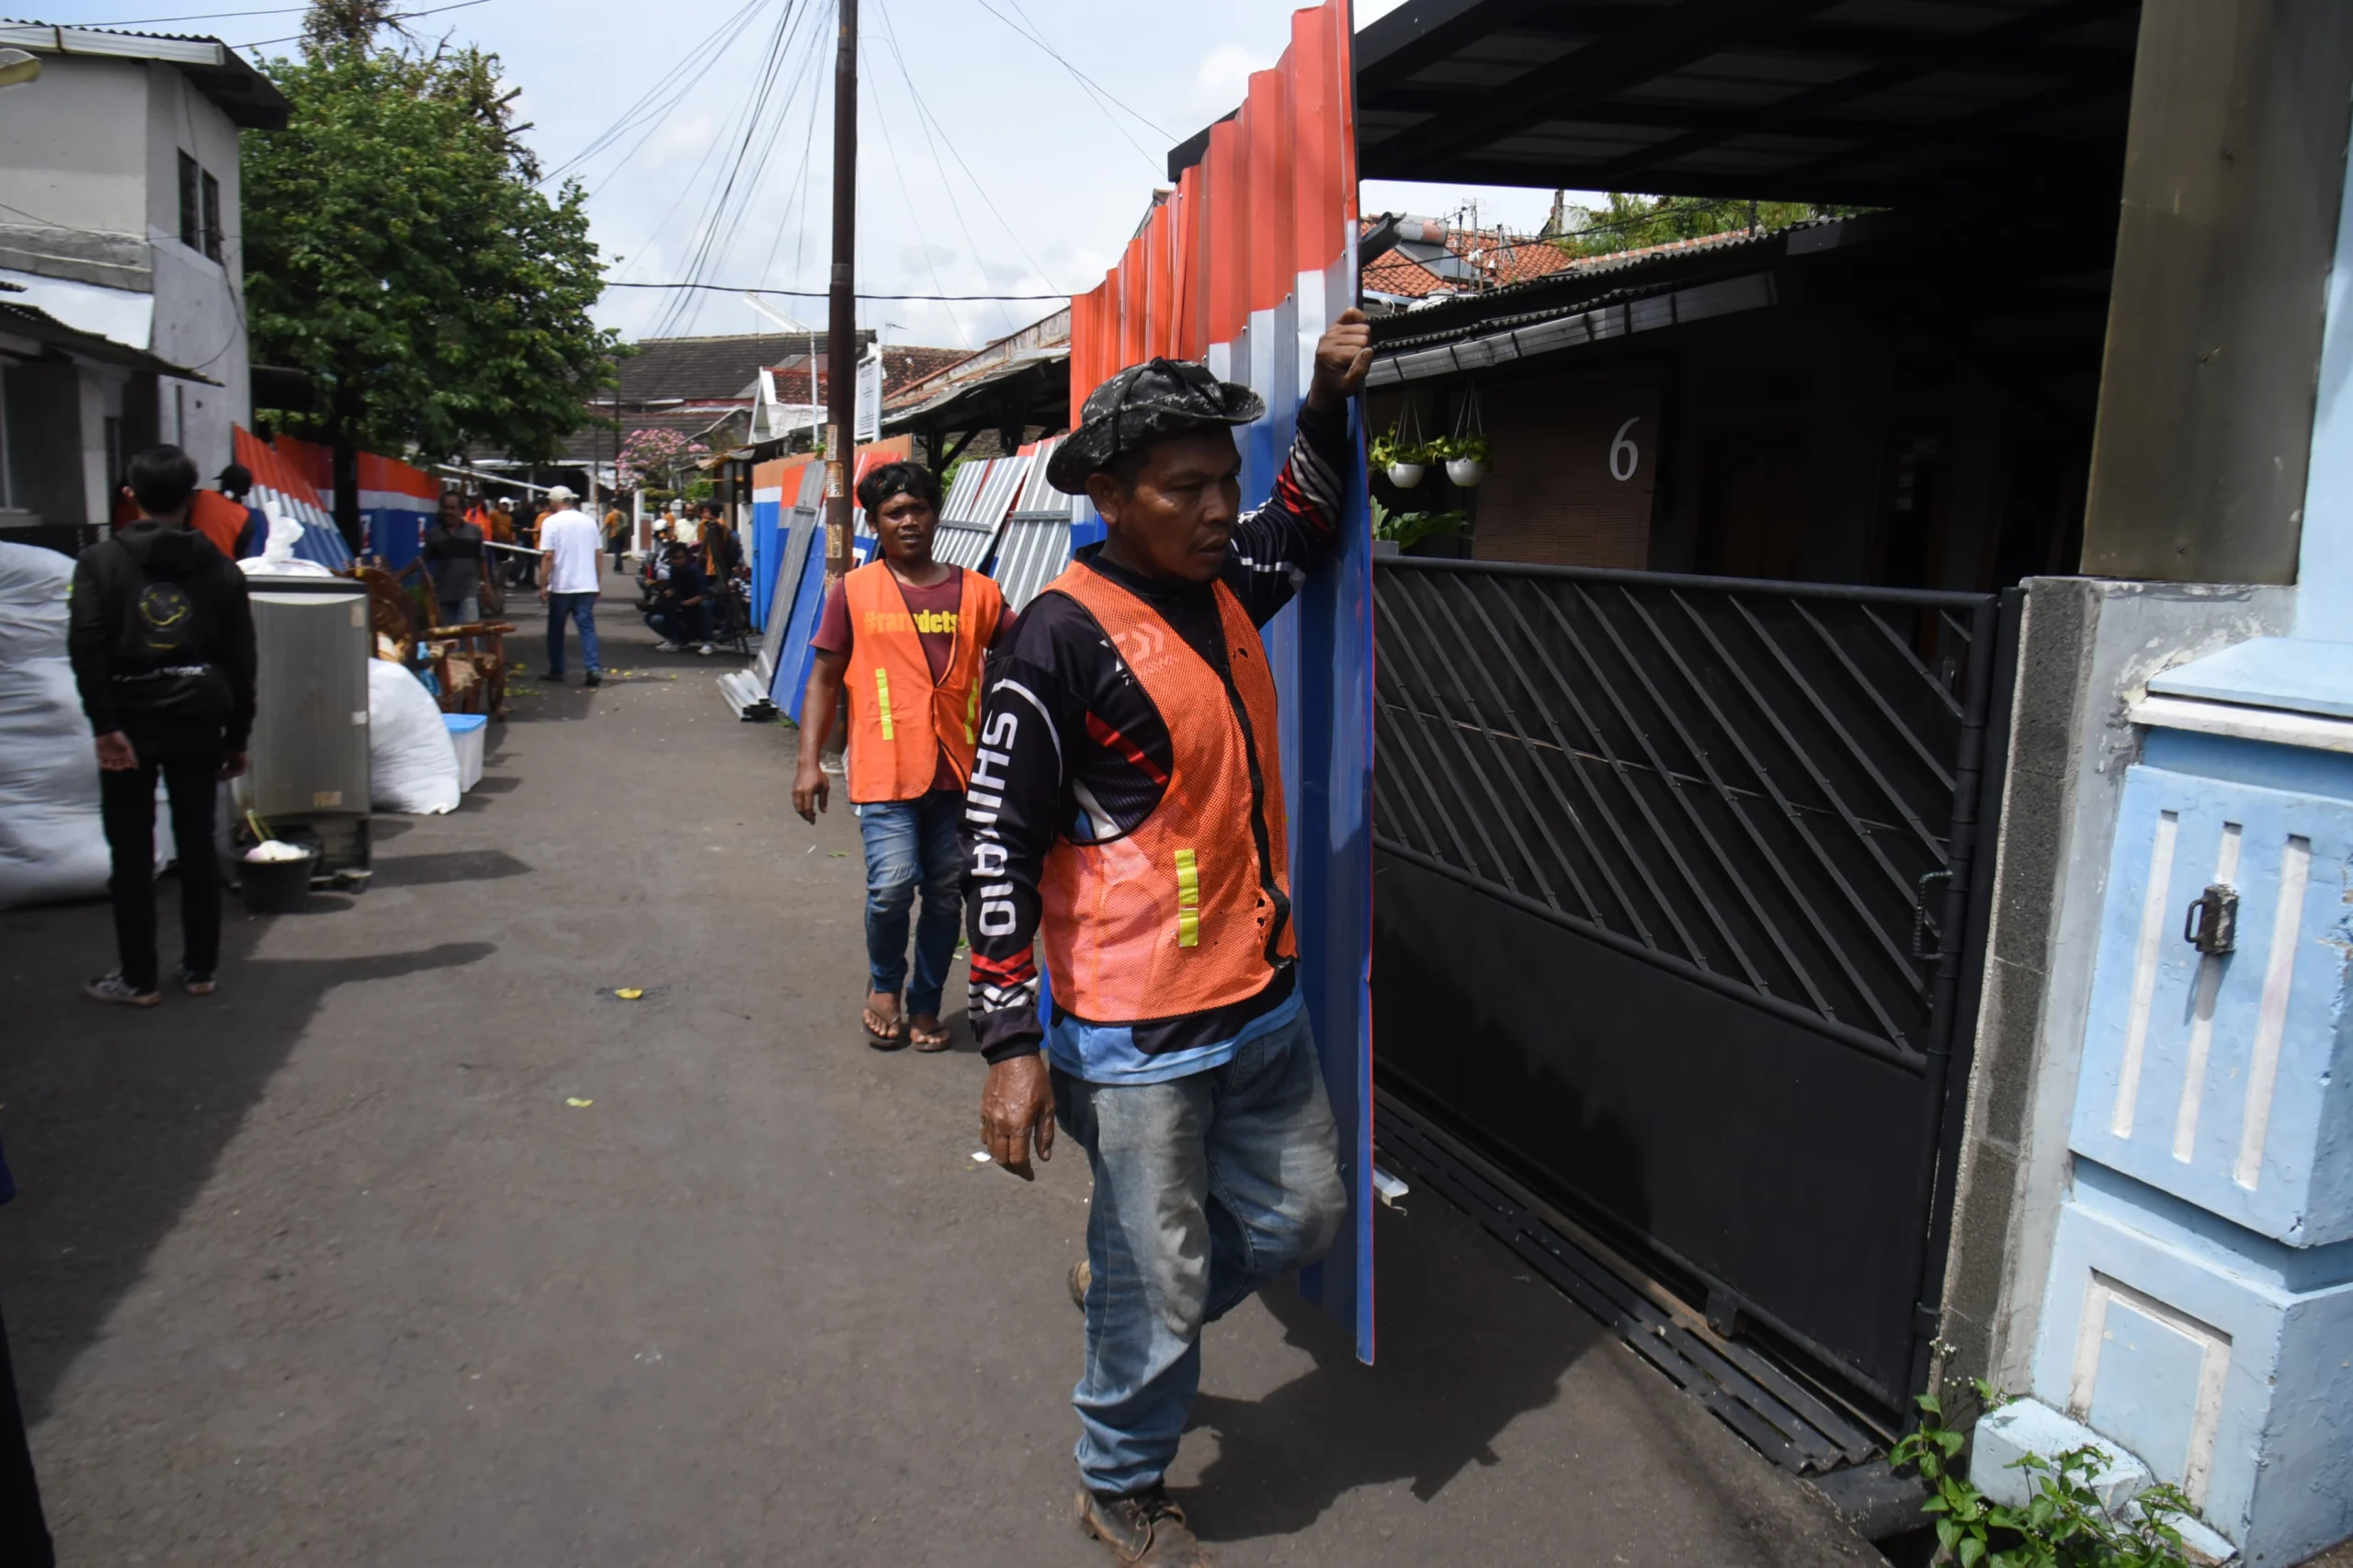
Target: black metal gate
[[1673, 878]]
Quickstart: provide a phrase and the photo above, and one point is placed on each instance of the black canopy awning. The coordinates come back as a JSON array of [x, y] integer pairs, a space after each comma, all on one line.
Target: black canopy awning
[[1867, 102]]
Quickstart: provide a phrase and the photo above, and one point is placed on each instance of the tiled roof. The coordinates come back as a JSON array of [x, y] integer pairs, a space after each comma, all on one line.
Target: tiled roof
[[1501, 258], [701, 368], [1505, 260]]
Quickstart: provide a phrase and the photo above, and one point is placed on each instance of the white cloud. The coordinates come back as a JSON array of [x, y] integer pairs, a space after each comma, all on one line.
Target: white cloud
[[1223, 78], [676, 140]]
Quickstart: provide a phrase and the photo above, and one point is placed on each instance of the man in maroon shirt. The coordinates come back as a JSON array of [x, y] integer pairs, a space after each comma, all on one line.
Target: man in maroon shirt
[[909, 633]]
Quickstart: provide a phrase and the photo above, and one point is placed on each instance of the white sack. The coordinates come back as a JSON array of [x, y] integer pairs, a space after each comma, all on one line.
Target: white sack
[[412, 766], [53, 846], [277, 558], [50, 844]]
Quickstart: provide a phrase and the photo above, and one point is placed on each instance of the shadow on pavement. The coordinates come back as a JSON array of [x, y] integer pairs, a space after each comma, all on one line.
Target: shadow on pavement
[[116, 1118], [1466, 1347], [450, 866]]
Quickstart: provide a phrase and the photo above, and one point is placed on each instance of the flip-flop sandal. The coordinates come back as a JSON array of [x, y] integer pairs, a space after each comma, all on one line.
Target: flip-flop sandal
[[929, 1043], [880, 1037]]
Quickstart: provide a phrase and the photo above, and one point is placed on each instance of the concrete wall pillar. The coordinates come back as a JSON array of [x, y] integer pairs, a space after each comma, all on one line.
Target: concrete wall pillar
[[2228, 222], [2196, 1306]]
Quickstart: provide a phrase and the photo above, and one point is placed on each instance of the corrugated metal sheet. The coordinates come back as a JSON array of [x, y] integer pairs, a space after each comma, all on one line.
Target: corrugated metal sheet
[[1035, 548], [998, 496], [962, 544], [1037, 495], [962, 505]]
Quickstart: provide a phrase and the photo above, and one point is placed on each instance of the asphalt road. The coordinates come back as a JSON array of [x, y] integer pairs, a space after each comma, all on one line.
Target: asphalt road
[[337, 1267]]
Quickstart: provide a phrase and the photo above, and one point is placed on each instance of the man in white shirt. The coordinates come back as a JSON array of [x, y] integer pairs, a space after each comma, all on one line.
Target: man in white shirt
[[569, 580]]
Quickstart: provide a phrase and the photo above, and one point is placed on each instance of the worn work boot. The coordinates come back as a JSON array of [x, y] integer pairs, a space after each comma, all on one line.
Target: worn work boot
[[1082, 1275], [1142, 1528]]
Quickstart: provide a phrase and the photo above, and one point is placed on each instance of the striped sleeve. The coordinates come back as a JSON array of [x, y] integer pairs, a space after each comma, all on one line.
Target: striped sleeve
[[1279, 542]]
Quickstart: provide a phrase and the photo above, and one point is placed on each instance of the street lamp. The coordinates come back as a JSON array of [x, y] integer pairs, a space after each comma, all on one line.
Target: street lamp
[[16, 67]]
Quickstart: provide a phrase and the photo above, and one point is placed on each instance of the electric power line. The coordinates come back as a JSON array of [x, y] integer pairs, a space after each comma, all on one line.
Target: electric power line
[[711, 44], [394, 16], [198, 16], [923, 110], [821, 293], [1094, 90], [892, 147]]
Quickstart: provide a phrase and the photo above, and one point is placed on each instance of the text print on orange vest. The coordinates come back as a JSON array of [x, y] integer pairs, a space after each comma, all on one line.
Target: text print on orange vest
[[926, 622]]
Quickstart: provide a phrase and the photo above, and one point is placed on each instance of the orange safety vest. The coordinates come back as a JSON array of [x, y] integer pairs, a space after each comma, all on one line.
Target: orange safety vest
[[1180, 915], [895, 736], [217, 518]]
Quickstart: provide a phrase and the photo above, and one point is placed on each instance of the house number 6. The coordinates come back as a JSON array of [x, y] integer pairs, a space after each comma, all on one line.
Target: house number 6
[[1618, 444]]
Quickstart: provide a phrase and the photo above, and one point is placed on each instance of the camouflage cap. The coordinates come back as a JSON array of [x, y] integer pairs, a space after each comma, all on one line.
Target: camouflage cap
[[1146, 403]]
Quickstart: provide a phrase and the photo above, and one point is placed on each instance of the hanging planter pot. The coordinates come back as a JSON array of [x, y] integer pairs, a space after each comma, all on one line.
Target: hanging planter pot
[[1465, 451], [1402, 451]]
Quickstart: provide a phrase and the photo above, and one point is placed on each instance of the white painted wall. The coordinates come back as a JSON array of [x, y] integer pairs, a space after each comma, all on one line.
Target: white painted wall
[[90, 179], [72, 146], [199, 306]]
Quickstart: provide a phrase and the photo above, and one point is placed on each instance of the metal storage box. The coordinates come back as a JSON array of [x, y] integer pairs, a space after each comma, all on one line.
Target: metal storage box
[[309, 756]]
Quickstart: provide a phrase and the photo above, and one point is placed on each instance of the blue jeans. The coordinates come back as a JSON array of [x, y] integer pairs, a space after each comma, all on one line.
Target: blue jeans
[[1207, 1189], [581, 610], [911, 845]]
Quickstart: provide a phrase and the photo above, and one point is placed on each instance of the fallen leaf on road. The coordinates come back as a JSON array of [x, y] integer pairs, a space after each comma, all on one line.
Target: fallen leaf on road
[[980, 1156], [576, 1103], [841, 854], [630, 992]]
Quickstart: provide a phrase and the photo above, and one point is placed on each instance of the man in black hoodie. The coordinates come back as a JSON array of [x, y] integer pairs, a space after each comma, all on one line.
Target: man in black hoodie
[[162, 639]]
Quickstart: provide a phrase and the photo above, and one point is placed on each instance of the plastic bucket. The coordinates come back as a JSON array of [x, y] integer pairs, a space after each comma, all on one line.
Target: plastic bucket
[[278, 886]]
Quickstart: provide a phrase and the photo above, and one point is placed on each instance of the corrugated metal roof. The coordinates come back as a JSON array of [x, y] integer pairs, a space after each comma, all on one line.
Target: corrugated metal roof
[[249, 98]]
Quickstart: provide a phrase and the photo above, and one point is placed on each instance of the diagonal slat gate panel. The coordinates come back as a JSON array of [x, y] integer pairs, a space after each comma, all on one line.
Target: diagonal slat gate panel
[[1754, 780], [1720, 829]]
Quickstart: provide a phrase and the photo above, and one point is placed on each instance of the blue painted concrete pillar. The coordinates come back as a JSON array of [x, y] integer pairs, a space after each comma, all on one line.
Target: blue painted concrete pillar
[[2199, 1311]]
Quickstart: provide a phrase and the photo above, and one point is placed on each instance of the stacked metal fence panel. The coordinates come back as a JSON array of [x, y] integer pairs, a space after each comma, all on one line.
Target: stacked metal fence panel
[[963, 544], [1242, 266], [1035, 548]]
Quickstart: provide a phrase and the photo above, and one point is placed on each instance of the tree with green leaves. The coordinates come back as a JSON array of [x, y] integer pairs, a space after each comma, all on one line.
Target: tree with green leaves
[[398, 249], [1627, 222]]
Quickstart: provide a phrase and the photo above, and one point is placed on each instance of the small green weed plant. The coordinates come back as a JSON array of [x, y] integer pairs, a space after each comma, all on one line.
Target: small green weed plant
[[2062, 1524]]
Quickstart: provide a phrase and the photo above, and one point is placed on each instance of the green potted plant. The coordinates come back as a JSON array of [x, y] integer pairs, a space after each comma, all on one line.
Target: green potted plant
[[1465, 458], [1406, 460]]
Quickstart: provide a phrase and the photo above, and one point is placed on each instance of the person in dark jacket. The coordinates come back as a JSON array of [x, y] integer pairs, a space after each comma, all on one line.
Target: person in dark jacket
[[162, 639]]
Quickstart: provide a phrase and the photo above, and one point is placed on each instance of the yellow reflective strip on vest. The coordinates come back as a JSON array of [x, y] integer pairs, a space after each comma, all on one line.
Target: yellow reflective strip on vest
[[883, 695], [1188, 900]]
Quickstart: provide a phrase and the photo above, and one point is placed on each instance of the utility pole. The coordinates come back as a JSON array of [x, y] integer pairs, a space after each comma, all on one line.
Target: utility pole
[[841, 336]]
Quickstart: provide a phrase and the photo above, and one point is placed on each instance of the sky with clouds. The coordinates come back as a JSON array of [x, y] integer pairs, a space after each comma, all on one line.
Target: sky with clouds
[[988, 166]]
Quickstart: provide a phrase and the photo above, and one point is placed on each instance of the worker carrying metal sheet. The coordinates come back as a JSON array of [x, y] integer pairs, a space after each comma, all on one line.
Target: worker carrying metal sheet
[[1125, 814]]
